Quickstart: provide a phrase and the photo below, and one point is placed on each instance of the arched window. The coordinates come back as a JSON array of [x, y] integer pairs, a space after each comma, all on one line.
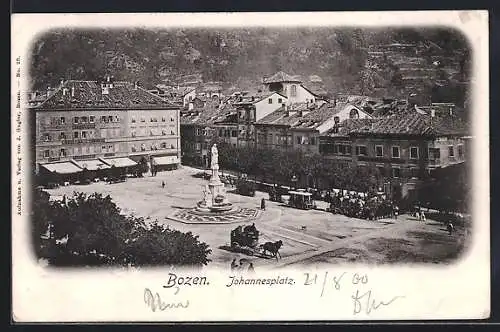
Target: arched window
[[354, 114]]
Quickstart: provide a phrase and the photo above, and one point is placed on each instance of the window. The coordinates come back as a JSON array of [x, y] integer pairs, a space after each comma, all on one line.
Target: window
[[84, 134], [172, 132], [151, 132], [75, 134], [293, 90], [133, 148], [395, 152], [414, 172], [62, 153], [143, 120], [270, 100], [172, 146], [361, 150], [92, 119], [434, 154], [104, 119], [163, 145], [221, 133], [413, 152], [163, 119], [171, 119], [76, 151], [133, 120], [354, 114], [335, 149], [46, 153], [336, 119], [379, 151], [110, 118], [110, 148], [460, 151], [342, 149], [198, 146], [381, 170], [226, 133], [280, 100], [143, 147], [234, 133], [84, 119], [103, 148], [163, 132], [132, 133], [313, 140], [152, 120], [62, 136], [396, 172], [451, 151], [62, 120], [299, 139], [75, 120]]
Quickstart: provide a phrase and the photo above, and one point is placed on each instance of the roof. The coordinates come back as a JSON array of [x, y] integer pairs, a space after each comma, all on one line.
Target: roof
[[65, 167], [311, 117], [120, 162], [315, 89], [88, 94], [179, 91], [209, 114], [347, 126], [280, 77], [91, 165], [416, 124]]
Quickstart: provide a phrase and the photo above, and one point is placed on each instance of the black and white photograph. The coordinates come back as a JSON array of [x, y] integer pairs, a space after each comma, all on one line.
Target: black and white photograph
[[249, 149]]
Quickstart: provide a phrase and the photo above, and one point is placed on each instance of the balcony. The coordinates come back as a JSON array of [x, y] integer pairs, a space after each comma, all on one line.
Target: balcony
[[84, 140], [87, 156], [83, 125]]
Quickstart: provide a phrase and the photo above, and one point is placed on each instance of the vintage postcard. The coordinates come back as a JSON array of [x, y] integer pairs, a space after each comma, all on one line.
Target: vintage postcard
[[250, 166]]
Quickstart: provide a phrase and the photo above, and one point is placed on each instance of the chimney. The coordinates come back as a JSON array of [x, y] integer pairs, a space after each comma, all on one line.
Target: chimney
[[48, 91], [72, 91]]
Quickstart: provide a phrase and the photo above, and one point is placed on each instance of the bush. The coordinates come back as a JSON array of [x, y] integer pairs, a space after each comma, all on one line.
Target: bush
[[95, 233]]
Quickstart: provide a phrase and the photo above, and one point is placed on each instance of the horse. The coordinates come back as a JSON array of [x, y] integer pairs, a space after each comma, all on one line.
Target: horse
[[273, 248]]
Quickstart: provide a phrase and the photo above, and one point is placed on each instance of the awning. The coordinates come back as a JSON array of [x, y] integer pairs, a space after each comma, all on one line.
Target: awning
[[120, 162], [62, 168], [165, 160], [92, 165]]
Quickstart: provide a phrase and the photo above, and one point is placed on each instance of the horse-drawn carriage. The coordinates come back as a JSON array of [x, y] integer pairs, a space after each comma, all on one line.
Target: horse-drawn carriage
[[245, 240], [301, 199]]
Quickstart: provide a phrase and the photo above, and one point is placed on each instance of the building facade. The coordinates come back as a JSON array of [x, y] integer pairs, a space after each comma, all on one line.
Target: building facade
[[88, 120], [404, 148]]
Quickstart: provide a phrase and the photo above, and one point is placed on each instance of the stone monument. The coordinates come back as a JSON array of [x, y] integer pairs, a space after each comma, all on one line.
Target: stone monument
[[214, 195]]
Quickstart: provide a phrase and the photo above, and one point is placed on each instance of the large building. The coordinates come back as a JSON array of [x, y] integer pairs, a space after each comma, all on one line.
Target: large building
[[292, 88], [403, 147], [300, 125], [84, 123]]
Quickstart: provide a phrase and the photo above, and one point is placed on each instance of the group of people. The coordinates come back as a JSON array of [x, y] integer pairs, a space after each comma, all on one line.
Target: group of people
[[362, 206], [241, 266]]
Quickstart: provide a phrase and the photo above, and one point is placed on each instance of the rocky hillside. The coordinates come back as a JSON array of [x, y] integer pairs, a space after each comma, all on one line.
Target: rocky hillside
[[348, 60]]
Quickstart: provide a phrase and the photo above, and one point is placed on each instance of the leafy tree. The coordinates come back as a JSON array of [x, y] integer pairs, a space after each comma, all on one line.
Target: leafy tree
[[95, 233]]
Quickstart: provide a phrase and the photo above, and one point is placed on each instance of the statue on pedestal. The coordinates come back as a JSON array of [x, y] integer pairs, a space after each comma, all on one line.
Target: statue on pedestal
[[215, 157]]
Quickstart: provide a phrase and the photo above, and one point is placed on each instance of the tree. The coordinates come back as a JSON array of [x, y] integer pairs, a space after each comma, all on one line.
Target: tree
[[95, 233]]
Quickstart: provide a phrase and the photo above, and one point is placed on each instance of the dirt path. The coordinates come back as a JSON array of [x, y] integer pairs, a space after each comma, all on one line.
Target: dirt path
[[398, 229]]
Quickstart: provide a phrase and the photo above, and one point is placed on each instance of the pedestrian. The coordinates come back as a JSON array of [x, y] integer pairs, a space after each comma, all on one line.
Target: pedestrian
[[262, 204], [251, 270], [234, 266], [450, 228], [422, 216], [396, 212], [163, 184]]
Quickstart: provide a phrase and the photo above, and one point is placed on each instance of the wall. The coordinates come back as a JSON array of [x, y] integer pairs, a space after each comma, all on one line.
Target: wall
[[263, 108], [309, 139], [343, 114], [106, 138], [302, 94]]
